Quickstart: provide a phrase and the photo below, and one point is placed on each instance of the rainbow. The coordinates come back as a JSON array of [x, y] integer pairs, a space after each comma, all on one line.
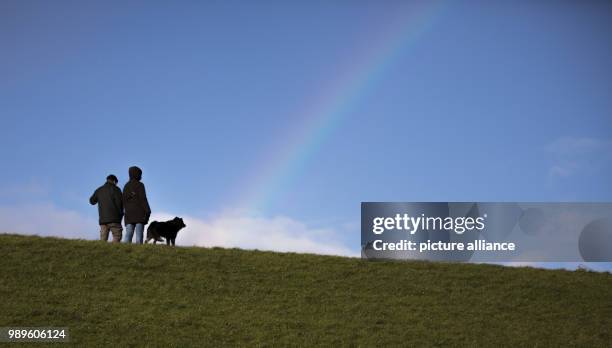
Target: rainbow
[[321, 117]]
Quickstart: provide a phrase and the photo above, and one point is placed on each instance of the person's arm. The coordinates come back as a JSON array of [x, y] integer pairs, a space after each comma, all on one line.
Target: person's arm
[[94, 198], [118, 200], [123, 195], [145, 202]]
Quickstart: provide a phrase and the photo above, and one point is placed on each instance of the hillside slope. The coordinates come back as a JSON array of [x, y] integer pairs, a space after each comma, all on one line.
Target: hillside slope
[[160, 296]]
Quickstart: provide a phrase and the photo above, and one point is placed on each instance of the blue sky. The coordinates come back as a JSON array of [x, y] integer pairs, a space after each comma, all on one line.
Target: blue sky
[[491, 101]]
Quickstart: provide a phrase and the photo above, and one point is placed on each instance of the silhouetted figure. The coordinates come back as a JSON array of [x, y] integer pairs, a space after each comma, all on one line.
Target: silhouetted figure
[[137, 210], [110, 208]]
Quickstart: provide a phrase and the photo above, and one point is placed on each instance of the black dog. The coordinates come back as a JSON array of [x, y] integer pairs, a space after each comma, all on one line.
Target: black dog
[[167, 229]]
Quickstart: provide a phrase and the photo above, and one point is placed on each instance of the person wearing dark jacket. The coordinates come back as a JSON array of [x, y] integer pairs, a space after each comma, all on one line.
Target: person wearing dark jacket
[[110, 208], [137, 210]]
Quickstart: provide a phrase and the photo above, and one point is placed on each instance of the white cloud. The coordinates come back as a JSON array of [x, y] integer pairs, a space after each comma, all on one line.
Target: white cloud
[[263, 233], [46, 219]]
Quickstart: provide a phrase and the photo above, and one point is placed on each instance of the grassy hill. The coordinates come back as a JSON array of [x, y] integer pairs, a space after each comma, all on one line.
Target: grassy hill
[[132, 295]]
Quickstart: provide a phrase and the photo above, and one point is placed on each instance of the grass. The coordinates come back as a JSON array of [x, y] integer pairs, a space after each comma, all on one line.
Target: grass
[[133, 295]]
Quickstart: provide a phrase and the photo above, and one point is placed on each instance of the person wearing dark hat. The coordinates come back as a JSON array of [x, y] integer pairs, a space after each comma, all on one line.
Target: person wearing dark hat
[[137, 210], [110, 208]]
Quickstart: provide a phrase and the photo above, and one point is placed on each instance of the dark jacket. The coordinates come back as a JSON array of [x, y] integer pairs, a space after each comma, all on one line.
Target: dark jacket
[[110, 203], [137, 210]]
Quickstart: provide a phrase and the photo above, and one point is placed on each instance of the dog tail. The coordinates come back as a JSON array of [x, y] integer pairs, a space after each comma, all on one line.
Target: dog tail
[[150, 234]]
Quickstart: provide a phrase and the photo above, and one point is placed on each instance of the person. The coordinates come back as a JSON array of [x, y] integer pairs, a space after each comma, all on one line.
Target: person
[[137, 210], [110, 208]]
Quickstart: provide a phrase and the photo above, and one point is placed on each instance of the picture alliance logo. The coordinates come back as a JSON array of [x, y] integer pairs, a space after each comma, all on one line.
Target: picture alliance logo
[[412, 224]]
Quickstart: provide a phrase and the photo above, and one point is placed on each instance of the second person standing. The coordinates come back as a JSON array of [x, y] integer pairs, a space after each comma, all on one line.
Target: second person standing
[[136, 206]]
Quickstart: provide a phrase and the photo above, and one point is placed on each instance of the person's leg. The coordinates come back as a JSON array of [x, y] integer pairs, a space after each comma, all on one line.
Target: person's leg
[[139, 233], [129, 233], [104, 232], [116, 229]]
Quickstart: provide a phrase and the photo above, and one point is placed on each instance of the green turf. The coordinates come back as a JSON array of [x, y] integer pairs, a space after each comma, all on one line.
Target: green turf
[[133, 295]]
